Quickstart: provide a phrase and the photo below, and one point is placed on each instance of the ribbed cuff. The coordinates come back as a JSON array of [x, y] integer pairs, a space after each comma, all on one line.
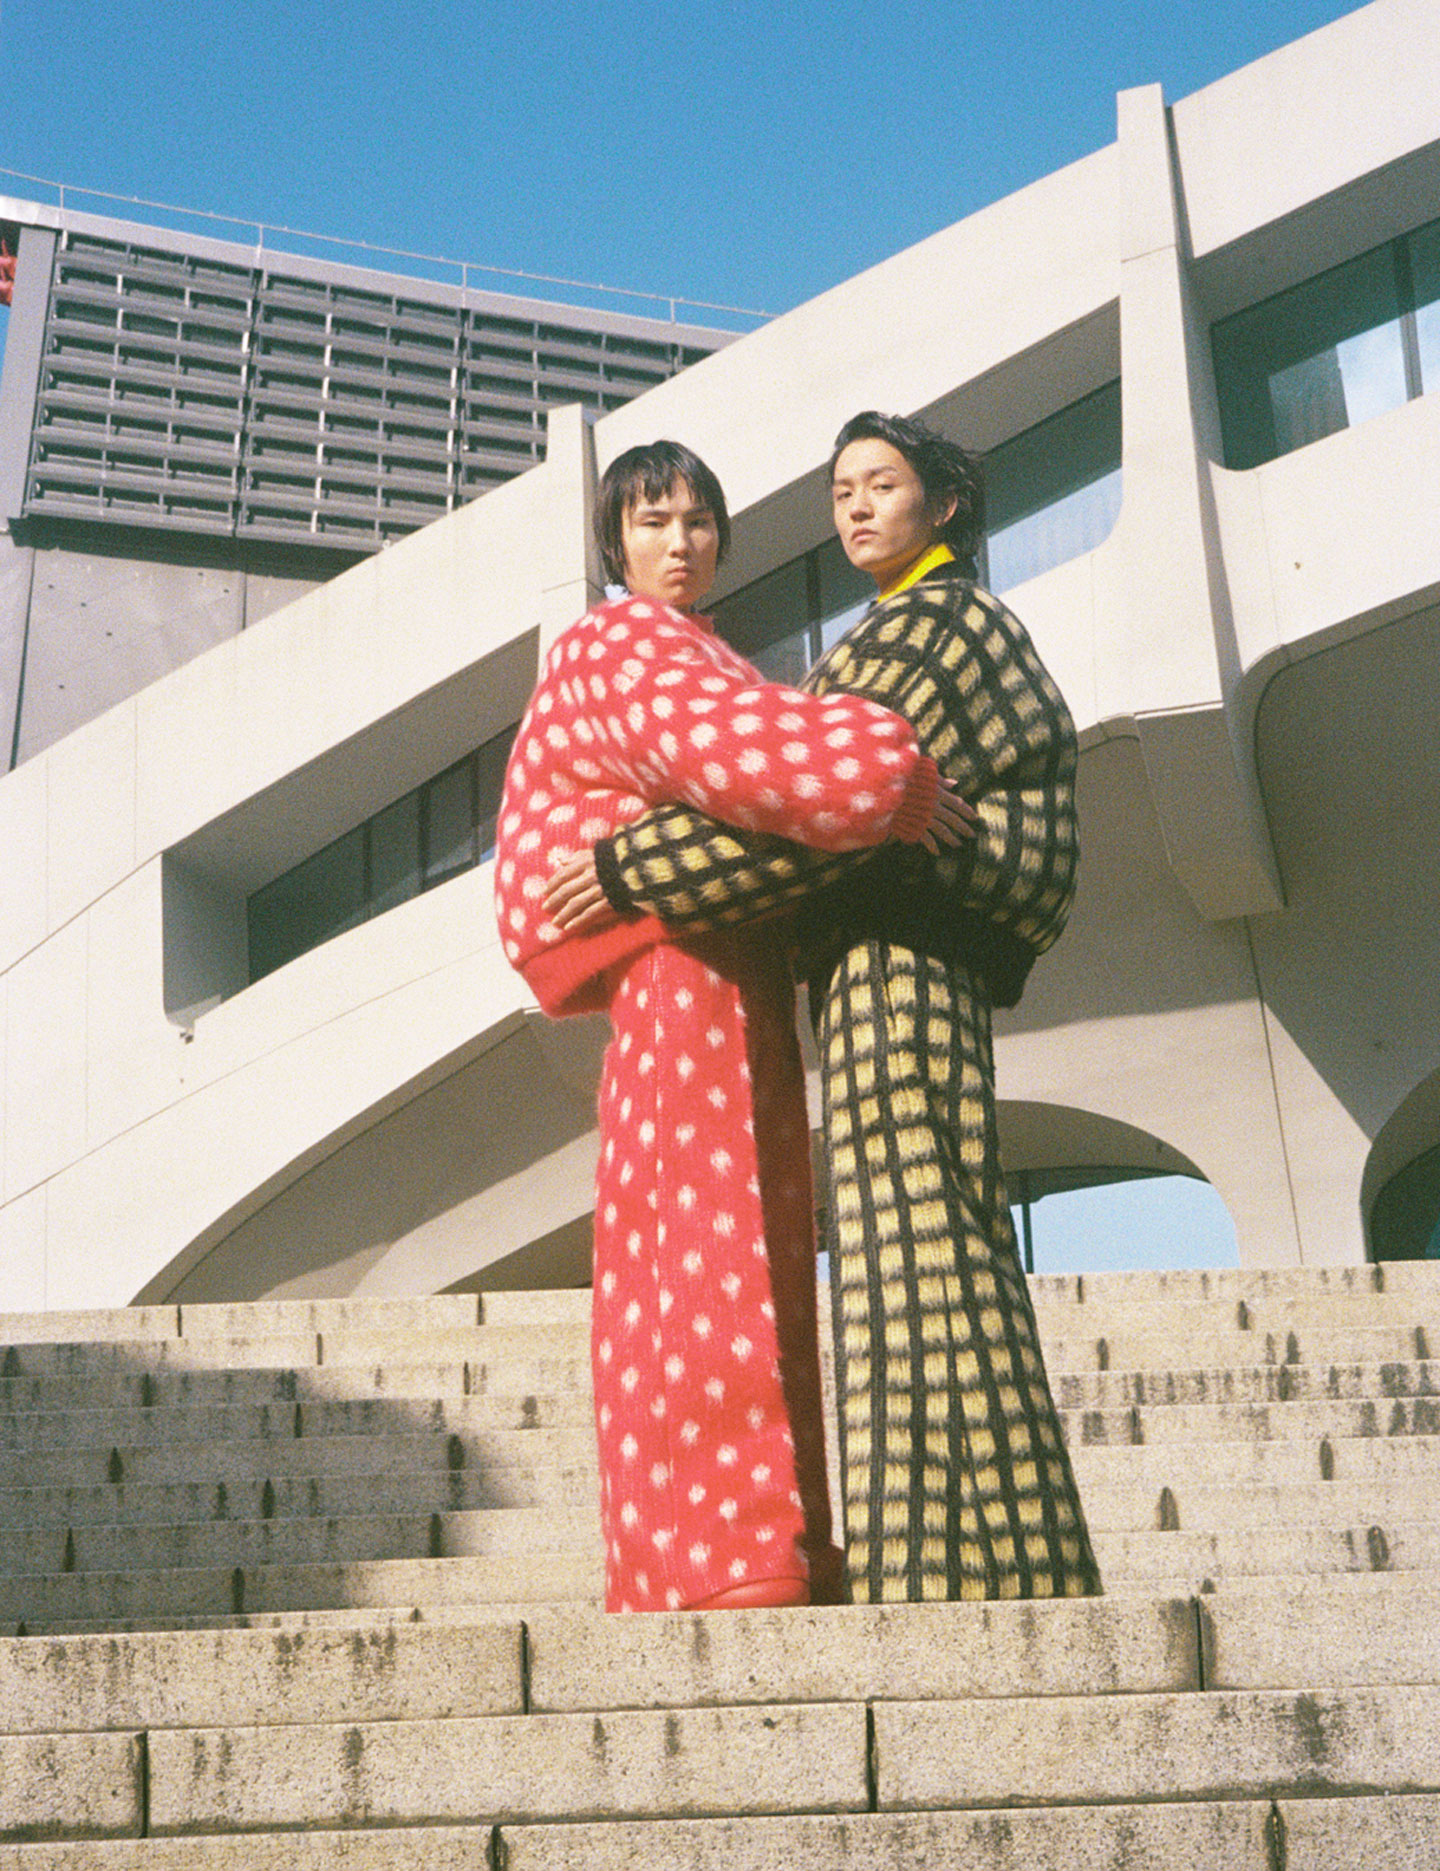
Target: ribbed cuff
[[917, 808], [607, 869]]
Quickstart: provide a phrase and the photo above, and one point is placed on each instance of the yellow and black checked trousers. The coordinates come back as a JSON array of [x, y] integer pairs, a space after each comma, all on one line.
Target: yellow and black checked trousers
[[956, 1481]]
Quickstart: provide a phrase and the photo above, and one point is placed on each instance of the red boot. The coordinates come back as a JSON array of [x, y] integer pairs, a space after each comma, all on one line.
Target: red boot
[[754, 1594]]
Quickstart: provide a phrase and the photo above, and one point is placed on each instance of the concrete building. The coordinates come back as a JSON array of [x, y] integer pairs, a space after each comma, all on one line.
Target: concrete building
[[250, 1050], [194, 432]]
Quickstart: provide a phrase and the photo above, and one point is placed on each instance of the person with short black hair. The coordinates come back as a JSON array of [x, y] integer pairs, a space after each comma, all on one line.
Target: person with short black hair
[[957, 1483], [646, 474], [703, 1335]]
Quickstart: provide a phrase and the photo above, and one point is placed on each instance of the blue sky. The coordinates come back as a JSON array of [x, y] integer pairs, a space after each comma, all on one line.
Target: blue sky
[[748, 152]]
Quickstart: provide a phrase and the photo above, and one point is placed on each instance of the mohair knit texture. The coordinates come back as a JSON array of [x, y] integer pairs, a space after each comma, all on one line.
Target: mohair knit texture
[[956, 1479], [703, 1334], [960, 666], [639, 704]]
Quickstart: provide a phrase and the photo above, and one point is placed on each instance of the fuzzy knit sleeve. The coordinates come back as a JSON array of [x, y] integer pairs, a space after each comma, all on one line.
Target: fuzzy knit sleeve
[[680, 718], [696, 874], [637, 703], [956, 662]]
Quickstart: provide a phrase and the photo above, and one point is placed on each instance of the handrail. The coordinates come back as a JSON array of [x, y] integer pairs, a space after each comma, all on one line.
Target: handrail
[[463, 267]]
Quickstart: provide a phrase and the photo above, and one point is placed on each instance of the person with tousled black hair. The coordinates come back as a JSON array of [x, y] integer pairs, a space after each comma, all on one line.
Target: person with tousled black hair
[[703, 1334], [956, 1479]]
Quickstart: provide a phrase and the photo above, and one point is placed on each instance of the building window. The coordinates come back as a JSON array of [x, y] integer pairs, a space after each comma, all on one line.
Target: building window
[[434, 833], [1405, 1220], [1350, 344], [1050, 495], [784, 621]]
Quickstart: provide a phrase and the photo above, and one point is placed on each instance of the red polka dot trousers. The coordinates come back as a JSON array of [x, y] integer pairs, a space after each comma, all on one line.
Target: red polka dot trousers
[[707, 1377]]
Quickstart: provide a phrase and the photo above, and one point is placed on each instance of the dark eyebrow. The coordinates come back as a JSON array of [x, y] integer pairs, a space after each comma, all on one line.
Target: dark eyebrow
[[642, 507]]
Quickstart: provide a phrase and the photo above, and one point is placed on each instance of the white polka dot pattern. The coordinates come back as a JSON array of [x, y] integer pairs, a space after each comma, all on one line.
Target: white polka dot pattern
[[705, 1458], [640, 705], [704, 1341]]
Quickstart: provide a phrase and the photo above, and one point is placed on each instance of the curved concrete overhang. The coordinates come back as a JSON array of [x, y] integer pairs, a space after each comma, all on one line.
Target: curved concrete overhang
[[1331, 542], [1410, 1129], [1272, 154], [483, 1161], [186, 1134]]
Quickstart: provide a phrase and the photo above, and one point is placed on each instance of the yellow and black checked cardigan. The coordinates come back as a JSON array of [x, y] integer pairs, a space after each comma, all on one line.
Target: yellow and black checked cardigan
[[962, 670]]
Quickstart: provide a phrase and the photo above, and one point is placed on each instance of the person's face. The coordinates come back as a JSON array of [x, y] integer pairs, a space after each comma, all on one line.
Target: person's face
[[670, 546], [881, 513]]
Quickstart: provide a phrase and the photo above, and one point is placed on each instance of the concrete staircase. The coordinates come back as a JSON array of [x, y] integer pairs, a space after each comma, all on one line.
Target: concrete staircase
[[313, 1583]]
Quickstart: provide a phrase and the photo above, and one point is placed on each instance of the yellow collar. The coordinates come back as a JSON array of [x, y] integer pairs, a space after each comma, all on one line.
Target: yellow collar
[[923, 566]]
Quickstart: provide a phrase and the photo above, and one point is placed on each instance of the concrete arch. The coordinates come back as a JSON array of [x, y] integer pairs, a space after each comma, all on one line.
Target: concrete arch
[[1411, 1129], [1092, 1193], [435, 1187]]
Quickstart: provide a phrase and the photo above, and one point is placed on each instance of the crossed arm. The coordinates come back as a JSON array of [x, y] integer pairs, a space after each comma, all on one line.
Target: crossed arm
[[989, 713], [696, 874]]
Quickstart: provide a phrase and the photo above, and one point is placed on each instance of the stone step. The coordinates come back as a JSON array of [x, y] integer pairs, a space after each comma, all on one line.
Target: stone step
[[768, 1758], [26, 1433], [238, 1459], [418, 1314], [1191, 1561], [1406, 1394], [1255, 1318], [369, 1617], [76, 1486], [1325, 1591], [1258, 1464], [566, 1661], [1217, 1744], [232, 1388], [303, 1541], [1409, 1282], [72, 1786], [1174, 1564], [114, 1599], [1119, 1506], [1198, 1835], [916, 1652], [394, 1384], [1354, 1440], [479, 1346], [1117, 1498], [1218, 1585], [1313, 1634], [1261, 1422], [1157, 1349], [1186, 1286], [1241, 1383], [513, 1390], [564, 1384], [218, 1679], [253, 1493], [350, 1331], [1073, 1343]]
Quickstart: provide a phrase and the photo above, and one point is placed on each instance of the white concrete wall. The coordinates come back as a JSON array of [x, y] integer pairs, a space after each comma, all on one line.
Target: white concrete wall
[[153, 1145]]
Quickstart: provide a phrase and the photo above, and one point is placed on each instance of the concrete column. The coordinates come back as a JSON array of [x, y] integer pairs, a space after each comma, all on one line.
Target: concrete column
[[24, 348], [1174, 658], [17, 572], [571, 579]]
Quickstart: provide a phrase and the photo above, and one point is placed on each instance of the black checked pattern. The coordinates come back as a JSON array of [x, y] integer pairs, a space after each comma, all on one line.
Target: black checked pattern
[[957, 1483]]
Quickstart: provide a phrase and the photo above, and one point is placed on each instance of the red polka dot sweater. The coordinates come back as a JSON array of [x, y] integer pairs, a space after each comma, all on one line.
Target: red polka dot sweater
[[639, 705]]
